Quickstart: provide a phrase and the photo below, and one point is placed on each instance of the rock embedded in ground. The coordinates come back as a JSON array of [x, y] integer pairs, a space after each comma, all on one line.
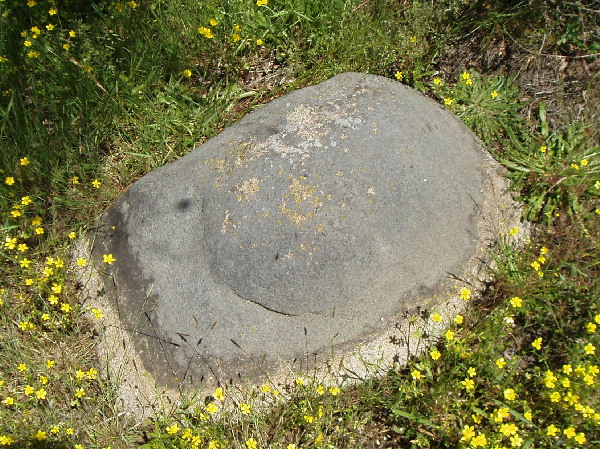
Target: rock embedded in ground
[[311, 225]]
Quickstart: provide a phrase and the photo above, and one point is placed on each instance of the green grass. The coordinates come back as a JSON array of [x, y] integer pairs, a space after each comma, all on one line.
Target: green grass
[[113, 90]]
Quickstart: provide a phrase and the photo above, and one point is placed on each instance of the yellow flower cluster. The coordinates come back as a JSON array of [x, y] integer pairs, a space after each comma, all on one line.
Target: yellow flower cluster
[[466, 77], [120, 7], [537, 264], [206, 32]]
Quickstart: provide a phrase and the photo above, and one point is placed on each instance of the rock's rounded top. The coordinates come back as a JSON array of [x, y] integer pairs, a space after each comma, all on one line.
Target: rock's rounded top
[[340, 197], [313, 221]]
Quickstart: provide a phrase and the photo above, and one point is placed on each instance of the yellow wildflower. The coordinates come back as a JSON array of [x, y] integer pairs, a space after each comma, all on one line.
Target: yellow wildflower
[[172, 429], [516, 441], [479, 440], [508, 429], [65, 307], [219, 393], [334, 391], [40, 435], [468, 432], [468, 384], [41, 393], [509, 394]]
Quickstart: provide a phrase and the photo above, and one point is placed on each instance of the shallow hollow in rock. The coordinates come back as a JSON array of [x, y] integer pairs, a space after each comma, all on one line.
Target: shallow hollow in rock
[[313, 223]]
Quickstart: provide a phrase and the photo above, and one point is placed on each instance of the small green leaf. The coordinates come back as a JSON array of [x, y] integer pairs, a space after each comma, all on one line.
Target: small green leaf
[[415, 418]]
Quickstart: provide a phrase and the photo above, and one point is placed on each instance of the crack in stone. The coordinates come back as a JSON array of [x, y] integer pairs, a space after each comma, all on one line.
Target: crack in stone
[[262, 306], [277, 311]]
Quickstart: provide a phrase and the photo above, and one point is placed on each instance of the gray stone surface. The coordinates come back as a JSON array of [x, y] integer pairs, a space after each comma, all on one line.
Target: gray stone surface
[[311, 224]]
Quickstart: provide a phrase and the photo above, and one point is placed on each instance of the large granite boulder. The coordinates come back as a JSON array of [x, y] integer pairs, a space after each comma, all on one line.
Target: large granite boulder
[[311, 225]]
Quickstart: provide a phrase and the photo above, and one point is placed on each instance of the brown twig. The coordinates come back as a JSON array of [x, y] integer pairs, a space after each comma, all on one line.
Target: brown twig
[[356, 8], [539, 53], [89, 75]]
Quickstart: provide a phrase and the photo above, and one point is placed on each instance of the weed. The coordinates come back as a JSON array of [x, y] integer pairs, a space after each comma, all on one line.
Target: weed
[[490, 106], [557, 172]]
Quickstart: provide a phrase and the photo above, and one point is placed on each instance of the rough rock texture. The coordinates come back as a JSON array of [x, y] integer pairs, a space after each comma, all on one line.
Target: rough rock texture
[[311, 225]]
